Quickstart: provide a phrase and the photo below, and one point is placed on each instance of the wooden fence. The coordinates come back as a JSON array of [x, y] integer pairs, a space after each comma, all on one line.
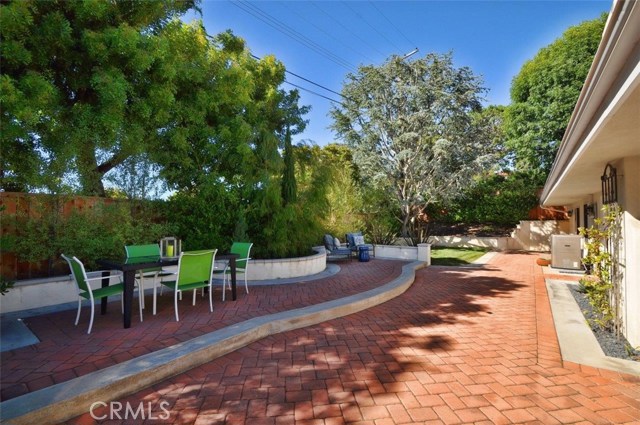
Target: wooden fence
[[14, 205]]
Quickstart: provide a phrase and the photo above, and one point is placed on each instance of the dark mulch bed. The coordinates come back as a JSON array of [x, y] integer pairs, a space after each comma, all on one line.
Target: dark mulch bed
[[612, 346]]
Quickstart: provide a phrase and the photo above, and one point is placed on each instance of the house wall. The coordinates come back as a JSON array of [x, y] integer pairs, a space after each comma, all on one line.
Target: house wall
[[629, 194], [628, 171]]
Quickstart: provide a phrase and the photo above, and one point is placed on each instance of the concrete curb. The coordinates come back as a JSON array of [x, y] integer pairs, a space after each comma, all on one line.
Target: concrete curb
[[577, 342], [69, 399]]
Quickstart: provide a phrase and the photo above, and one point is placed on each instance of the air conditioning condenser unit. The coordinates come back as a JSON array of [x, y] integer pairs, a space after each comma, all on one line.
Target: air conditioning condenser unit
[[566, 251]]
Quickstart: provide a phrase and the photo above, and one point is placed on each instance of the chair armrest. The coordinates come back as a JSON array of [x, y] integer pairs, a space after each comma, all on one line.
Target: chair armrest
[[101, 277], [111, 273]]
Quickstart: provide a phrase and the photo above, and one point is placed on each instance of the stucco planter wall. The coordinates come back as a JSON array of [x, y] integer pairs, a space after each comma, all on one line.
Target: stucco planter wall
[[283, 268], [37, 293], [422, 252]]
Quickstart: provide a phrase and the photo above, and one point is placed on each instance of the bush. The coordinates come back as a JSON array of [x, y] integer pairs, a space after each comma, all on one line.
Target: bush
[[97, 232], [495, 199], [204, 218]]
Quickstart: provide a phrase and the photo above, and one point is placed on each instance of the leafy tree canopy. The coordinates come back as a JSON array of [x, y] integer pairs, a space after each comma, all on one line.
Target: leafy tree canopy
[[544, 94], [84, 85], [417, 129]]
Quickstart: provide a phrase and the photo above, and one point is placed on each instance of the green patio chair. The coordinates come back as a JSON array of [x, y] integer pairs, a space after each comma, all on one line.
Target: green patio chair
[[85, 291], [243, 249], [148, 250], [194, 271]]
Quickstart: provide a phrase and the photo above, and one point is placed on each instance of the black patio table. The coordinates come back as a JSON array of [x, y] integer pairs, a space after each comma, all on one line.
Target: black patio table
[[129, 266]]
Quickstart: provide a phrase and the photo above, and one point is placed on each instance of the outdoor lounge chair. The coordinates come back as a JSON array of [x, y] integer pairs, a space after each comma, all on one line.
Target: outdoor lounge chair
[[335, 250], [356, 240]]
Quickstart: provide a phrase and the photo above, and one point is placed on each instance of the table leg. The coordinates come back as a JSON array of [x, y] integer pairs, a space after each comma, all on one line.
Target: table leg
[[232, 263], [129, 281], [105, 283]]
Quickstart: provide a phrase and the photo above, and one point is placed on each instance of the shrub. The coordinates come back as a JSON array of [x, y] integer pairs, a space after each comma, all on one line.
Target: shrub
[[96, 232], [495, 199]]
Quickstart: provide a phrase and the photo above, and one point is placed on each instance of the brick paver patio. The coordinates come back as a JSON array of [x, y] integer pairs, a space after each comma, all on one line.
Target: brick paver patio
[[460, 346], [66, 351]]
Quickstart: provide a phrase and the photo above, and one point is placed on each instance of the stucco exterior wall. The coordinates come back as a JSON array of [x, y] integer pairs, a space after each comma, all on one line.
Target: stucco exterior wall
[[629, 188], [628, 170]]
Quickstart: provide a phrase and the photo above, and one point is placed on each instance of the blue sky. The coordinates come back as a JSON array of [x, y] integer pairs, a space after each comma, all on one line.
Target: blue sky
[[325, 40]]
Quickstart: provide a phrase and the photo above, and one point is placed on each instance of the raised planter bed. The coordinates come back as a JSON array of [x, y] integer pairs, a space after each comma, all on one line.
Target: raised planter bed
[[282, 268]]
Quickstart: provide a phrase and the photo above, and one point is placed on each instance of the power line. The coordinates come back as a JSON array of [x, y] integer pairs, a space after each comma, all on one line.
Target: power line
[[292, 33], [371, 46], [392, 24], [328, 33], [312, 92], [372, 27], [305, 79]]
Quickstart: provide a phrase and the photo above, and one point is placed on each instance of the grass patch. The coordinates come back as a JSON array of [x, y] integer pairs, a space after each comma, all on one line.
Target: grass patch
[[455, 256]]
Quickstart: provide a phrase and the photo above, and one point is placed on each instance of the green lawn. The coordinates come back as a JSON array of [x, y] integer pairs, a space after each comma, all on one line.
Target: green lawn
[[455, 256]]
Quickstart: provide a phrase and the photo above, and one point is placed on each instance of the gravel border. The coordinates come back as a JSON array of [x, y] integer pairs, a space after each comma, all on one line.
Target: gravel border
[[612, 346]]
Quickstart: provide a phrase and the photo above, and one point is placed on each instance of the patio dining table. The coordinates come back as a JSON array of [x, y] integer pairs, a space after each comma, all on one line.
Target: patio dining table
[[129, 267]]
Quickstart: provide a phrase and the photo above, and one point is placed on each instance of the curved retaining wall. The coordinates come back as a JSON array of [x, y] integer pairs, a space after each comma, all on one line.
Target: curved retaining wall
[[283, 268]]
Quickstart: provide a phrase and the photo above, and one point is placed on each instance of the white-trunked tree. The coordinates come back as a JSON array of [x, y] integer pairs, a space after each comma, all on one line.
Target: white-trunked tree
[[418, 130]]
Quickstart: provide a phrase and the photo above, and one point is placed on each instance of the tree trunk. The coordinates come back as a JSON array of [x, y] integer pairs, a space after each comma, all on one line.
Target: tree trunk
[[90, 177], [406, 216]]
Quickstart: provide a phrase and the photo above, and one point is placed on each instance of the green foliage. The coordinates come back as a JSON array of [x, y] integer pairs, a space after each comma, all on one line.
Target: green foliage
[[544, 94], [497, 198], [5, 285], [602, 285], [343, 204], [416, 130], [289, 190], [240, 232], [85, 85], [205, 217], [97, 232], [136, 178], [291, 230]]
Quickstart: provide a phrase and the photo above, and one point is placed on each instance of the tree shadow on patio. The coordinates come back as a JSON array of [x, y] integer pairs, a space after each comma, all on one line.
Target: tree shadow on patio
[[335, 368]]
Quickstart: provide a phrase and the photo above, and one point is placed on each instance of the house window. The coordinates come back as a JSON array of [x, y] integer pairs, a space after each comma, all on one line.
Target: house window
[[609, 181], [577, 214]]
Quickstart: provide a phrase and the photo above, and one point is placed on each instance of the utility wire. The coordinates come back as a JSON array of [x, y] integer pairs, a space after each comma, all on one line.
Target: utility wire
[[372, 27], [315, 84], [346, 28], [391, 23], [292, 33], [308, 81], [328, 33], [312, 92]]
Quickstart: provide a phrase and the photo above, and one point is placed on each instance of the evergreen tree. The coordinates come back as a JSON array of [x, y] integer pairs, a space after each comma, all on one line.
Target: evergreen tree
[[289, 189]]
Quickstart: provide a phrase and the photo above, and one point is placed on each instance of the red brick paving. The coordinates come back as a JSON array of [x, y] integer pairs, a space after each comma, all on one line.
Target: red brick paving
[[66, 351], [460, 346]]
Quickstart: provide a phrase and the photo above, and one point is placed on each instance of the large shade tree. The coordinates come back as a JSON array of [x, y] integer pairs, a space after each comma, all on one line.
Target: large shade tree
[[543, 96], [85, 85], [416, 129]]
